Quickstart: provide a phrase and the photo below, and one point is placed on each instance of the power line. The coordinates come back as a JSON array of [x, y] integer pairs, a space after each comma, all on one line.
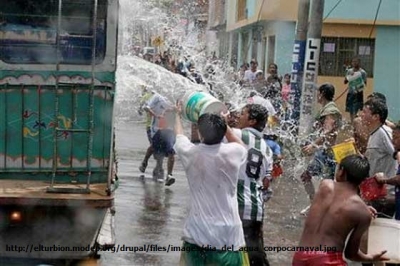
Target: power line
[[333, 8], [259, 12], [376, 17]]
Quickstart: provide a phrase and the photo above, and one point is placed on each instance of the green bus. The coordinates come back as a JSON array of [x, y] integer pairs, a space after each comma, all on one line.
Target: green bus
[[57, 159]]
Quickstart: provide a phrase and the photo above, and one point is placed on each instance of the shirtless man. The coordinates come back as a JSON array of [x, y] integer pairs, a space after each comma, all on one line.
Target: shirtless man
[[336, 211]]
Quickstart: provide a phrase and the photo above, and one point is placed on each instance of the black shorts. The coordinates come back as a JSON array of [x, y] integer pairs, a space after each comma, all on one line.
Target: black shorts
[[163, 142], [354, 102], [253, 235]]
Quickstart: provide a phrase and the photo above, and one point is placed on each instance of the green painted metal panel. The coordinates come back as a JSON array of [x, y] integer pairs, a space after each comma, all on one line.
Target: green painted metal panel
[[28, 122], [31, 126], [14, 126]]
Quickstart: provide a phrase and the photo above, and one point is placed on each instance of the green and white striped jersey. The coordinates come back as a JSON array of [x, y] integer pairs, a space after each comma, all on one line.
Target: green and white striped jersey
[[257, 166]]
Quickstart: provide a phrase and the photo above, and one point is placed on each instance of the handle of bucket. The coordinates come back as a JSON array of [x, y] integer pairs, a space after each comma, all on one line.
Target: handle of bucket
[[385, 215]]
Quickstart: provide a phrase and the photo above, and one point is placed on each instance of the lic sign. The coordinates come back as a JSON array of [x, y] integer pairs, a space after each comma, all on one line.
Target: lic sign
[[309, 84]]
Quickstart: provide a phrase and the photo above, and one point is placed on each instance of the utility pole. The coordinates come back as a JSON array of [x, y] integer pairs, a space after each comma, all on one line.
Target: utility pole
[[299, 51], [313, 45]]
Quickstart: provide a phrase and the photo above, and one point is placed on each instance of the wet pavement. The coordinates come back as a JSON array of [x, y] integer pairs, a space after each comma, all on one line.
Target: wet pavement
[[149, 213]]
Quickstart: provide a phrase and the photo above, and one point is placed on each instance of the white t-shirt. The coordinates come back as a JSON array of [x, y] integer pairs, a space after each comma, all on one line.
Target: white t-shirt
[[380, 153], [264, 102], [212, 172], [389, 131], [250, 75]]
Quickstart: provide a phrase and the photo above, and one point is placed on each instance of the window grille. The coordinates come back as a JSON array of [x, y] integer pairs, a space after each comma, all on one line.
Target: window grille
[[336, 55]]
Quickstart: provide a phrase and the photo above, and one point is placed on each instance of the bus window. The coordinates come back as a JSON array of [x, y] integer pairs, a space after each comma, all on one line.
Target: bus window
[[28, 31]]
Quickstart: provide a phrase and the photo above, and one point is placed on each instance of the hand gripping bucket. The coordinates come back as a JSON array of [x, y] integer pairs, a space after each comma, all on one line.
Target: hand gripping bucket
[[343, 150], [196, 103], [356, 80]]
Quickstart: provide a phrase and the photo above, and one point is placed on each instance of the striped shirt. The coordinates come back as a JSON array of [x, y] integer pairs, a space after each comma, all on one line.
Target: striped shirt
[[252, 172]]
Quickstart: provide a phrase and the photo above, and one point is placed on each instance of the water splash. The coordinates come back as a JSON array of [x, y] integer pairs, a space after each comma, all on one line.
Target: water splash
[[133, 73], [181, 41]]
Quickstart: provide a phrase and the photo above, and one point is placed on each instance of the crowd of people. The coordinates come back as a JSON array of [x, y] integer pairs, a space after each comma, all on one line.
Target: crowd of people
[[229, 173]]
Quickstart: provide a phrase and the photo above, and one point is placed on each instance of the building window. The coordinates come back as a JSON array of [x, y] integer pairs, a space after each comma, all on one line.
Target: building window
[[336, 55], [241, 10]]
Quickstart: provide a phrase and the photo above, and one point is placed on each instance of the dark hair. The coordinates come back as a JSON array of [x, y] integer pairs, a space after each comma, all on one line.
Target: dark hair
[[273, 64], [287, 75], [328, 91], [253, 93], [377, 95], [212, 128], [356, 168], [273, 137], [377, 107], [259, 113], [229, 105]]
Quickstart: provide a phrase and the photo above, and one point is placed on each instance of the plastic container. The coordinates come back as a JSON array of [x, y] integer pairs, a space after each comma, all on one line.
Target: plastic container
[[356, 81], [343, 150], [384, 234], [196, 103], [276, 170], [372, 190]]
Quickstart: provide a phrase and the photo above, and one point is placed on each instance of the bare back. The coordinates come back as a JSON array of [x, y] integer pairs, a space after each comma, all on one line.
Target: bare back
[[335, 211]]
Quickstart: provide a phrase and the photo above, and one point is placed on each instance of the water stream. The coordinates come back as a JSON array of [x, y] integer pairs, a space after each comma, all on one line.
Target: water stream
[[283, 222]]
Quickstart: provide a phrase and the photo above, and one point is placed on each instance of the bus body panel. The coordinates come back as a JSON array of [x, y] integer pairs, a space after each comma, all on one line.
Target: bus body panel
[[57, 94]]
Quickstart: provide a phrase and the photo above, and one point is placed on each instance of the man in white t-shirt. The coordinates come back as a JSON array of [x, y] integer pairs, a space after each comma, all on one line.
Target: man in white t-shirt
[[380, 148], [162, 137], [212, 169], [250, 74], [273, 119], [256, 98]]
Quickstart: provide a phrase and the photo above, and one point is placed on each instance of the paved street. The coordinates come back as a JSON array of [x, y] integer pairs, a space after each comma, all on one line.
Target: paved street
[[148, 213]]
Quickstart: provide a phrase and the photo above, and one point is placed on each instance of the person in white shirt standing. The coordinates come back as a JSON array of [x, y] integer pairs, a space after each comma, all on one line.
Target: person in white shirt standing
[[255, 98], [250, 74], [213, 231], [380, 148], [162, 138]]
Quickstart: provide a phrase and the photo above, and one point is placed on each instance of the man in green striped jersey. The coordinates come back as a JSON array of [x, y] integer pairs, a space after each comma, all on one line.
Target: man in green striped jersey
[[255, 174]]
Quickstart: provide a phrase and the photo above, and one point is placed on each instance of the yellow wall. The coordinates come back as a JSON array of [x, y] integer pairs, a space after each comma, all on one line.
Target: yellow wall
[[340, 88], [282, 10], [279, 10], [347, 31]]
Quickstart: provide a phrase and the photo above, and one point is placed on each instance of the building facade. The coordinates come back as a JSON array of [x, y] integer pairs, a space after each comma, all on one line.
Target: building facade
[[265, 30]]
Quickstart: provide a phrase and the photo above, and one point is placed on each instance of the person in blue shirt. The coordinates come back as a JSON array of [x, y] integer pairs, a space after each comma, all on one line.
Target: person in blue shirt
[[274, 145], [395, 181], [271, 140]]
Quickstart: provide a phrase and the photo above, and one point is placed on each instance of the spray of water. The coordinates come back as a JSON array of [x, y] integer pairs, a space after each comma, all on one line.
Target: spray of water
[[134, 72]]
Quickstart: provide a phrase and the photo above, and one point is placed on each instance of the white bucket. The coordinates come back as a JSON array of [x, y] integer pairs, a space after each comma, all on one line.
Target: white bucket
[[356, 81], [196, 103], [384, 234]]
